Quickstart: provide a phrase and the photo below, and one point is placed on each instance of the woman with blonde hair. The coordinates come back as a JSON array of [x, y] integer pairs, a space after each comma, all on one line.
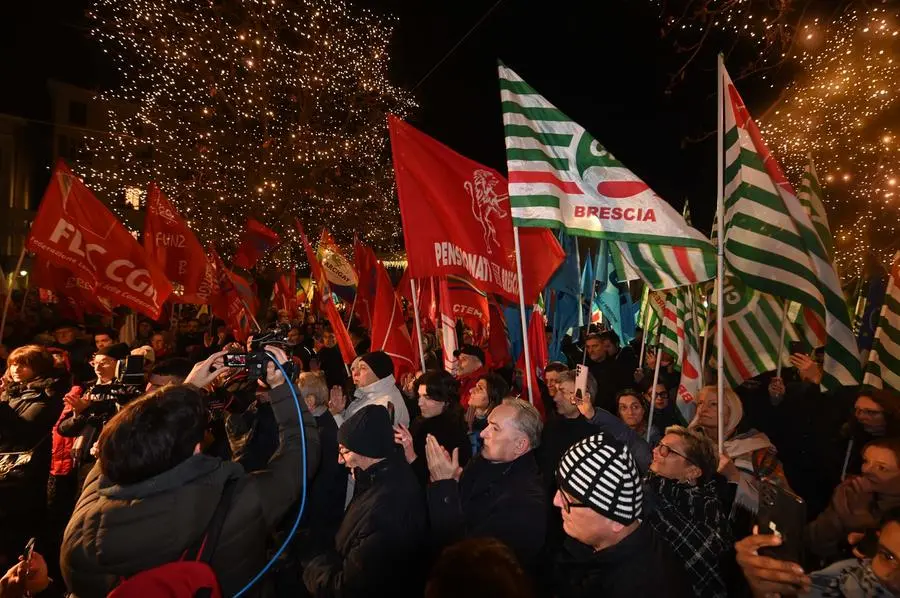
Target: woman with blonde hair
[[748, 456]]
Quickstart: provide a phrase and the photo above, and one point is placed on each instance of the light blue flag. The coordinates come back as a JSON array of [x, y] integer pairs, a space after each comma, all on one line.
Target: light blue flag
[[614, 299]]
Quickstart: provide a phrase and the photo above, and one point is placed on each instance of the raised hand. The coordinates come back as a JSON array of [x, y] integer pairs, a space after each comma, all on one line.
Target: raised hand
[[441, 465], [403, 437], [337, 402]]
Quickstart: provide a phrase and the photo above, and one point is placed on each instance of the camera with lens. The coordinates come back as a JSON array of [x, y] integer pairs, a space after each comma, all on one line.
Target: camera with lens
[[254, 361], [130, 371]]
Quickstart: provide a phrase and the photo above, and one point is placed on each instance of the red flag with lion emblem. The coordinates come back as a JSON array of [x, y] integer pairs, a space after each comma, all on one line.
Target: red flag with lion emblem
[[456, 219]]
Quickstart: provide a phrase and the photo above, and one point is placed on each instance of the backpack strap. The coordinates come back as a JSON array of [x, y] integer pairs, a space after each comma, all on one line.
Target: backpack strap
[[203, 549]]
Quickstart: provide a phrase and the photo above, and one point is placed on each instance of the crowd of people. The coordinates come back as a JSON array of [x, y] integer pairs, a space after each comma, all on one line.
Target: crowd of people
[[143, 462]]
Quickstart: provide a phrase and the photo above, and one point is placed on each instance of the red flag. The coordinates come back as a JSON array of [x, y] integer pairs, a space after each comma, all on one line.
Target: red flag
[[286, 292], [257, 240], [389, 331], [75, 231], [75, 294], [366, 270], [469, 304], [448, 327], [331, 312], [225, 300], [456, 219], [172, 245], [498, 354], [537, 345]]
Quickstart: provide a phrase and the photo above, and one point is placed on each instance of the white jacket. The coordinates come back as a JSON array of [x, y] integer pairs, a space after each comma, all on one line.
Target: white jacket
[[384, 392]]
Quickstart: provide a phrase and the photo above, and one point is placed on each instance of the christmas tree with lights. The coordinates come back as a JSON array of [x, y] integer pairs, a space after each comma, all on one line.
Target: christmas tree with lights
[[264, 108]]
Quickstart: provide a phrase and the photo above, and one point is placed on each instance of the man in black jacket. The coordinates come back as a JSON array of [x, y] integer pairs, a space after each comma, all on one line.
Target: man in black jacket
[[153, 493], [499, 494], [375, 551], [609, 552]]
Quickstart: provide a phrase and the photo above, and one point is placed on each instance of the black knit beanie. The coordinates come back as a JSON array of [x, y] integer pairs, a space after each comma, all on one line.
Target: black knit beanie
[[368, 432], [380, 363]]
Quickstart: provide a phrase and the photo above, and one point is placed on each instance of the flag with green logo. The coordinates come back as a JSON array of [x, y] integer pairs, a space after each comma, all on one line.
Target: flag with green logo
[[561, 177], [772, 245]]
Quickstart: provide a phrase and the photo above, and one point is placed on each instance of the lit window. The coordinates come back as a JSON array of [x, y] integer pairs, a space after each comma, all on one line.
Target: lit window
[[133, 197]]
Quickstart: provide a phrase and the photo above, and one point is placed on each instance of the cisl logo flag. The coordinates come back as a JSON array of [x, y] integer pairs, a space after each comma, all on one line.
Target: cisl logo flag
[[74, 230]]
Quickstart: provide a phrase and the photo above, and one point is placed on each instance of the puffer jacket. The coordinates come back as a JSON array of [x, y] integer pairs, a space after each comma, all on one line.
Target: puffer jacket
[[27, 414], [118, 531]]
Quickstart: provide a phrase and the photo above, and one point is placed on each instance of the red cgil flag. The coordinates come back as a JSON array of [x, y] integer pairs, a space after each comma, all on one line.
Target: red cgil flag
[[257, 240], [389, 331], [75, 231], [366, 271], [456, 219], [172, 245], [331, 312], [449, 341]]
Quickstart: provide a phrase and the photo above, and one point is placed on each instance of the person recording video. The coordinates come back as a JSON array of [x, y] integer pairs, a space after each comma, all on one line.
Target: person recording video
[[153, 493]]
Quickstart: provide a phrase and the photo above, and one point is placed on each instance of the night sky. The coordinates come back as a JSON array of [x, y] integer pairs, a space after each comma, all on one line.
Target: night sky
[[601, 62]]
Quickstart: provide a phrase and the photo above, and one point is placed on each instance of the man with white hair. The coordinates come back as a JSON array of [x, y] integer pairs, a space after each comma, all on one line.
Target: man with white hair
[[499, 493]]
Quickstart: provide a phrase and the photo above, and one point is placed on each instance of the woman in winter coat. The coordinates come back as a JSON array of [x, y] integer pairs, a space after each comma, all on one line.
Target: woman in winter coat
[[442, 417], [30, 404], [751, 456], [487, 393], [686, 508]]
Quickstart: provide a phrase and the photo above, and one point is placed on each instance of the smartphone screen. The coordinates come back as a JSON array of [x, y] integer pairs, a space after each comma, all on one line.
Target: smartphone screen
[[235, 360]]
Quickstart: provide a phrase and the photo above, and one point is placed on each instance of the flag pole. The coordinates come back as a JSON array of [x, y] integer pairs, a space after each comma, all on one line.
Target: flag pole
[[353, 307], [527, 349], [784, 318], [655, 382], [593, 291], [644, 333], [580, 291], [9, 292], [720, 251], [415, 302]]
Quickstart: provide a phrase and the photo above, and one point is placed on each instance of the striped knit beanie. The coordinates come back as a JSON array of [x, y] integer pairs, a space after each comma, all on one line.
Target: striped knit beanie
[[600, 473]]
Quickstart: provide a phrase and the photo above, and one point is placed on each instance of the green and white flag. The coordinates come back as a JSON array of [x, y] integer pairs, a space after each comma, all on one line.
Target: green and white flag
[[810, 196], [772, 245], [883, 367], [671, 337], [561, 177]]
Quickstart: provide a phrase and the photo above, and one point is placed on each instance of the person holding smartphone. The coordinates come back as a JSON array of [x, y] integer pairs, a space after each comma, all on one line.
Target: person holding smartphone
[[874, 572], [27, 577]]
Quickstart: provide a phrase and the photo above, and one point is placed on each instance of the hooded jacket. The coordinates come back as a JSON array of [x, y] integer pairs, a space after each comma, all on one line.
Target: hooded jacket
[[118, 531]]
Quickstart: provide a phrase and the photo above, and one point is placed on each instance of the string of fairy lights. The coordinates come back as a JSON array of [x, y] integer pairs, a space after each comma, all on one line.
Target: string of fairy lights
[[269, 108], [840, 104], [844, 109]]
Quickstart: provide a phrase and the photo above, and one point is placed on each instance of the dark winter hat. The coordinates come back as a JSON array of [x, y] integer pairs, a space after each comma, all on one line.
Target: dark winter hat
[[368, 432], [380, 363], [65, 324], [471, 350], [600, 473], [117, 351]]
